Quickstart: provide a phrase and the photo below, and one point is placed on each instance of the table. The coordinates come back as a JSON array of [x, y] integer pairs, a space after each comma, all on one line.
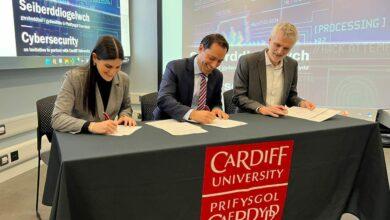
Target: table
[[337, 166]]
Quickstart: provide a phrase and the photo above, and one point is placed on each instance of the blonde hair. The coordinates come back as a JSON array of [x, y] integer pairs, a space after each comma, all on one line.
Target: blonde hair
[[289, 30]]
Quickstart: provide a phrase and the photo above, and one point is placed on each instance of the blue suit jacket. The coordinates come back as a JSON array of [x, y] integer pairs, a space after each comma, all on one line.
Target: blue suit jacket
[[177, 89]]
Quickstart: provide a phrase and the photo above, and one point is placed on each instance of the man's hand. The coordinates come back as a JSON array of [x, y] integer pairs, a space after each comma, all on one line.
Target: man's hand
[[219, 113], [104, 127], [274, 111], [307, 104], [126, 121], [202, 116]]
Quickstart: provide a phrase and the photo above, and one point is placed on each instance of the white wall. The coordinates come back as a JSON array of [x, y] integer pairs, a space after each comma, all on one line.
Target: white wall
[[143, 68]]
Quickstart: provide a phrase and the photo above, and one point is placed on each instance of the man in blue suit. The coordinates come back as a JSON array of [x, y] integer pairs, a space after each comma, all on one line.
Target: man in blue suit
[[191, 87]]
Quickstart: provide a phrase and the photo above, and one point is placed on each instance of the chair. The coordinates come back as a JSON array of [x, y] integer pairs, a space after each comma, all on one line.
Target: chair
[[230, 108], [148, 104], [45, 108], [383, 119]]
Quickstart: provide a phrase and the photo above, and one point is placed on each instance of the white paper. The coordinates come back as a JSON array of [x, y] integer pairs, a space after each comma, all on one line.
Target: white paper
[[174, 127], [317, 115], [221, 123], [122, 130]]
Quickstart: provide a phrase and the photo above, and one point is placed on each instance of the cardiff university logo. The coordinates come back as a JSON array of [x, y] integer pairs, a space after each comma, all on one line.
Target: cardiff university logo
[[246, 181]]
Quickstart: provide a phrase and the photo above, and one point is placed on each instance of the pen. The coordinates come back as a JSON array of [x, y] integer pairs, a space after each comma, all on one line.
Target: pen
[[106, 116]]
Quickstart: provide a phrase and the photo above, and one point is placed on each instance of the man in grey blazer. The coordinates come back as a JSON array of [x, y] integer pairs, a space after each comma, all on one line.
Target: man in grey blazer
[[266, 81]]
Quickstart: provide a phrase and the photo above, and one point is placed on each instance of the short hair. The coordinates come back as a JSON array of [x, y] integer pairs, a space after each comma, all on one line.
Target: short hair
[[215, 38], [289, 30]]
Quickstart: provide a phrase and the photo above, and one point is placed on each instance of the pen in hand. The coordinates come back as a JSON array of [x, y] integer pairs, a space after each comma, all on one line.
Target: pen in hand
[[107, 126], [111, 124], [106, 116]]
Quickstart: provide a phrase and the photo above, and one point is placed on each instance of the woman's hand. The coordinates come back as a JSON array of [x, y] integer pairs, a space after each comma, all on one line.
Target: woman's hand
[[126, 120], [104, 127]]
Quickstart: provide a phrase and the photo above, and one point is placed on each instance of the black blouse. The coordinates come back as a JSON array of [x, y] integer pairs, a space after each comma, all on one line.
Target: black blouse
[[105, 90]]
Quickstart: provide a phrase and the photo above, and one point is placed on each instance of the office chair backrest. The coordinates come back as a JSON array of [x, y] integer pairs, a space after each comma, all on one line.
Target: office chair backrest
[[148, 104], [230, 108], [45, 108]]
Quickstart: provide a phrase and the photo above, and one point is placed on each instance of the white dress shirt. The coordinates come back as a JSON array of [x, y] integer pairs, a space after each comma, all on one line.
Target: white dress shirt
[[195, 96], [275, 80]]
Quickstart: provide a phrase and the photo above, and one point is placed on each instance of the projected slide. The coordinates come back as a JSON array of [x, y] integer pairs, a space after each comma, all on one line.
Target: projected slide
[[47, 33], [343, 51], [248, 22], [47, 28]]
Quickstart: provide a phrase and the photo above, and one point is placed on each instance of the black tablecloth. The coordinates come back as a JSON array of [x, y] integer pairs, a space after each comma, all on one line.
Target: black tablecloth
[[337, 166]]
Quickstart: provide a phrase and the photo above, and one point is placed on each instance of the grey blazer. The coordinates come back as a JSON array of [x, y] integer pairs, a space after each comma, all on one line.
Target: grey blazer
[[250, 82], [69, 114]]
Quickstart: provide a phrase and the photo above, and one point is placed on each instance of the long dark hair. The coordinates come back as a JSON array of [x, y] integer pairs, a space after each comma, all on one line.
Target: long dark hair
[[106, 48]]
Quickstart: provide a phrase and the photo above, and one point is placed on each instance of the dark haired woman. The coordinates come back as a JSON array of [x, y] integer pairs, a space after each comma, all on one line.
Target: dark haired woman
[[92, 96]]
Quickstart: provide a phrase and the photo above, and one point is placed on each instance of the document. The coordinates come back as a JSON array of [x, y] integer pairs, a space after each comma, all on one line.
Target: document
[[221, 123], [122, 130], [317, 115], [174, 127]]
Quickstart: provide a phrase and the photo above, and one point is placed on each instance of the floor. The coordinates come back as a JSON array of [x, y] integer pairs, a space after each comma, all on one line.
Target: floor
[[17, 196]]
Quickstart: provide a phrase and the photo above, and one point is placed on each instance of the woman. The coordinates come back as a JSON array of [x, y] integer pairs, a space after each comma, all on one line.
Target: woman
[[92, 96]]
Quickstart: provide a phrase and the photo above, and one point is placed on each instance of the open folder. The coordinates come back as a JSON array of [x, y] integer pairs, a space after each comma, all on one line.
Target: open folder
[[317, 115]]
